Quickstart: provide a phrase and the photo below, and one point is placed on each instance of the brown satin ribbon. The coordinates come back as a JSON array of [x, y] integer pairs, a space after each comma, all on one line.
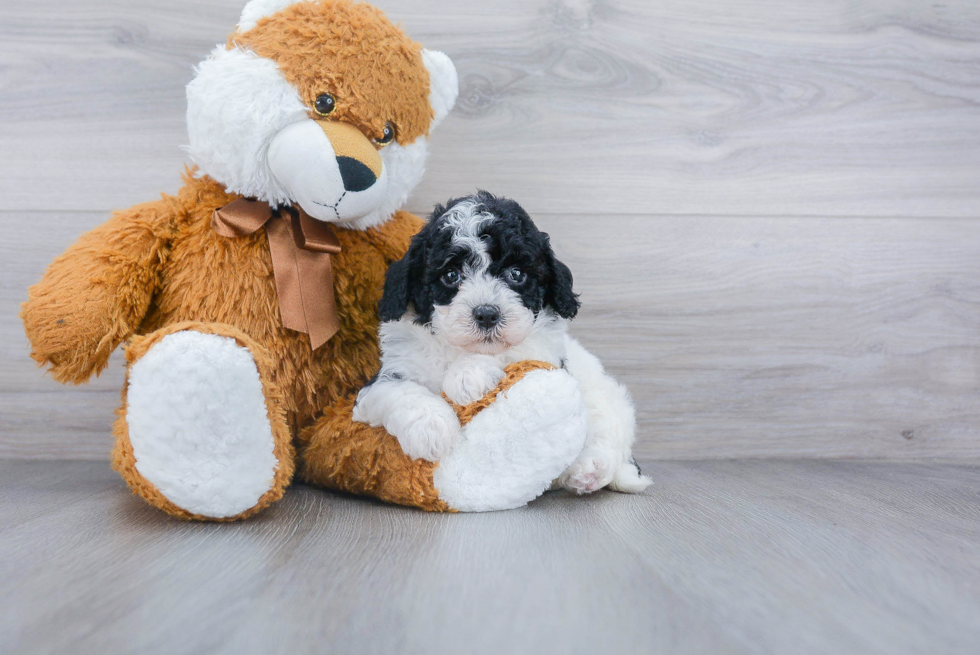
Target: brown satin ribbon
[[301, 247]]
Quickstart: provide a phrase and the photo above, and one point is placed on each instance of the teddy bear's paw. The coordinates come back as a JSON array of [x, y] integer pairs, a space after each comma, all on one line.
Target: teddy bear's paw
[[199, 426], [425, 430], [471, 377], [511, 451]]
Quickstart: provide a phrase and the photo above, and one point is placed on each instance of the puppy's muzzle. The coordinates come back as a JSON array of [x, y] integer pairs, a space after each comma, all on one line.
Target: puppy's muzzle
[[358, 159], [487, 316]]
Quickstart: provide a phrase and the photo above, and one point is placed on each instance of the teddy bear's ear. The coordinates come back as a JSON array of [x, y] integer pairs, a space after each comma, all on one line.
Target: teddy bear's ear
[[256, 10], [443, 83]]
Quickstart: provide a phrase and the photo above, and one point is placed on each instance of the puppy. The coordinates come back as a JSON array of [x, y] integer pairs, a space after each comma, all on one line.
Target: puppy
[[480, 288]]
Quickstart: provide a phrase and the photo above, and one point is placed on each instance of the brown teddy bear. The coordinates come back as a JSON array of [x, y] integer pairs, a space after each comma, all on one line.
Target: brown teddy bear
[[248, 301]]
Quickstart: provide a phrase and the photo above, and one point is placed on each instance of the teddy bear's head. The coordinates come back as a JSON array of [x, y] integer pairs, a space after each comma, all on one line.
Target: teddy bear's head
[[320, 103]]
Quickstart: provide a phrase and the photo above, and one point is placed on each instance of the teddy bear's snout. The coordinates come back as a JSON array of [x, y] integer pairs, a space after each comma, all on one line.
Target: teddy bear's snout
[[358, 159]]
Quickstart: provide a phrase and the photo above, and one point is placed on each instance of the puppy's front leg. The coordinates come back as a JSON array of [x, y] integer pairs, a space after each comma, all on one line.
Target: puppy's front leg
[[470, 377], [424, 424], [607, 456]]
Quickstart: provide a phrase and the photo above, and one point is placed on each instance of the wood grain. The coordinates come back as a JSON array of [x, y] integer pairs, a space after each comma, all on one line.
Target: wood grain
[[739, 337], [624, 106], [719, 557], [770, 208]]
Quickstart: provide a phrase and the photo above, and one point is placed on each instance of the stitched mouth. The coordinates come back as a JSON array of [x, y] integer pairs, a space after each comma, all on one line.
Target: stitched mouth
[[333, 206]]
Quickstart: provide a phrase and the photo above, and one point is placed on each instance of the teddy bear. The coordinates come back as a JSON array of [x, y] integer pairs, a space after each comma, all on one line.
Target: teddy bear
[[247, 302]]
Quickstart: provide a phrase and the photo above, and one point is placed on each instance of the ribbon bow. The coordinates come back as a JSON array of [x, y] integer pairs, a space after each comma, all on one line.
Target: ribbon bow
[[301, 247]]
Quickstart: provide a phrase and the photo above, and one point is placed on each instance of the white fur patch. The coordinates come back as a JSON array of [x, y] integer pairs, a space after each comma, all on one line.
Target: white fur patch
[[199, 426], [256, 10], [443, 83], [424, 424], [466, 223], [606, 460], [455, 323], [303, 161], [510, 452], [236, 105], [471, 377]]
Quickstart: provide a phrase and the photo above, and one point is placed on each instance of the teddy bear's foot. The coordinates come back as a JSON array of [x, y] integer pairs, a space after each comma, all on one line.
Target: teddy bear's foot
[[199, 435], [511, 451]]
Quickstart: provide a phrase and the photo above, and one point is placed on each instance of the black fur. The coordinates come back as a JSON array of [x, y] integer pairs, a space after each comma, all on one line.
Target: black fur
[[512, 240]]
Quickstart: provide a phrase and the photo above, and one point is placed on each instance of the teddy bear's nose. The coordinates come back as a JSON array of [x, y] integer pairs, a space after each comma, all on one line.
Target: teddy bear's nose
[[356, 175]]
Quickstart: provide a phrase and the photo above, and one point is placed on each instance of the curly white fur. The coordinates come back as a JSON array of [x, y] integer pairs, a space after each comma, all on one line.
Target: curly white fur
[[452, 353], [417, 366]]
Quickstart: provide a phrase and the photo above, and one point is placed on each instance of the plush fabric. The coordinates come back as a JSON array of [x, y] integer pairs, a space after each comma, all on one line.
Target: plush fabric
[[221, 402], [360, 459], [168, 252], [318, 56], [512, 374], [124, 457]]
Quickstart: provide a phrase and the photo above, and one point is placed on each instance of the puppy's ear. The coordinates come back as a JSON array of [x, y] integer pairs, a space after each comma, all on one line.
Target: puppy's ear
[[558, 294], [394, 300], [400, 282]]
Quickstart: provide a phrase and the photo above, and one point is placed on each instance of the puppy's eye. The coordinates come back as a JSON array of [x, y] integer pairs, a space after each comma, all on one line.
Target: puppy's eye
[[450, 278], [387, 137], [325, 104], [516, 275]]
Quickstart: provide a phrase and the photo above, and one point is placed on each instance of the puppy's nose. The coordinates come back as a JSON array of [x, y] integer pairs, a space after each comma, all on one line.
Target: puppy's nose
[[356, 175], [486, 316]]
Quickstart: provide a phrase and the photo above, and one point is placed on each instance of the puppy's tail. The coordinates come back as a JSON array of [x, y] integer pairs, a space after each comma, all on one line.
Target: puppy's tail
[[629, 480]]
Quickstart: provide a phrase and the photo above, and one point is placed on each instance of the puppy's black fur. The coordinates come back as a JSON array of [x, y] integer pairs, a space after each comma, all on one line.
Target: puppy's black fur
[[512, 240]]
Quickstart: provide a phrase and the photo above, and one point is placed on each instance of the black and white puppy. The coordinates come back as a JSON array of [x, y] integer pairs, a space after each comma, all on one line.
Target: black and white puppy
[[480, 288]]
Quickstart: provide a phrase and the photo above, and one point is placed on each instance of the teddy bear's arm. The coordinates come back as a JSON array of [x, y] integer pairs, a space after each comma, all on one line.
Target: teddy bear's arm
[[96, 294]]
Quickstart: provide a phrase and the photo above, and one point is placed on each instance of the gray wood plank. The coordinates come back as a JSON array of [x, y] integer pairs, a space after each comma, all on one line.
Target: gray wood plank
[[739, 337], [722, 557], [706, 107]]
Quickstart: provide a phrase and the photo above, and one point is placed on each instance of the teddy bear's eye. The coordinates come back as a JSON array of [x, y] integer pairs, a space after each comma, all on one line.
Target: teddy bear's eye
[[387, 137], [325, 104]]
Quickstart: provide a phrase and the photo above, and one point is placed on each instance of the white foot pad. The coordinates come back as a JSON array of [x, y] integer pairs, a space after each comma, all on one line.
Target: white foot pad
[[510, 452], [199, 426]]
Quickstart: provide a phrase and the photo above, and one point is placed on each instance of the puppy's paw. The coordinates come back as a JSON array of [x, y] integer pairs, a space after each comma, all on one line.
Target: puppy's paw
[[591, 471], [471, 377], [426, 431]]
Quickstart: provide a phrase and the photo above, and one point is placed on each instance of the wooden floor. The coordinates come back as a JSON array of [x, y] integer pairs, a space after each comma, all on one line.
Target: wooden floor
[[717, 557]]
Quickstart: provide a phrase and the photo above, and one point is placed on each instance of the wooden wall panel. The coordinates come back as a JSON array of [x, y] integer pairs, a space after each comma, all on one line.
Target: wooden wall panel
[[770, 207], [764, 337], [706, 107]]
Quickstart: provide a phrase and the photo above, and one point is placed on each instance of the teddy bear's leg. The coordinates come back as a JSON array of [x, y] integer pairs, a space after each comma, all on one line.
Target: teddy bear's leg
[[339, 453], [510, 452], [202, 432], [514, 443]]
